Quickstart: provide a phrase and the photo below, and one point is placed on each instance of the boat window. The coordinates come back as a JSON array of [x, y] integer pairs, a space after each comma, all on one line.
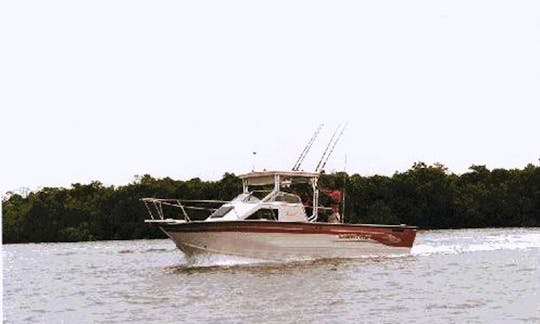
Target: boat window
[[260, 194], [264, 213], [287, 197], [221, 211]]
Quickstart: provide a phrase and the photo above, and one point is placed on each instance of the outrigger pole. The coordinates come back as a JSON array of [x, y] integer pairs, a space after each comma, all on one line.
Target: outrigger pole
[[302, 156], [331, 145]]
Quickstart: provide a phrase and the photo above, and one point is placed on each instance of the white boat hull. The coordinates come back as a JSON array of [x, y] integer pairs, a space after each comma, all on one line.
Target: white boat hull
[[275, 246], [278, 241]]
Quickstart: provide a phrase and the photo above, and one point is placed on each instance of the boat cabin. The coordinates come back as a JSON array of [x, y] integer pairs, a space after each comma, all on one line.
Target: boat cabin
[[274, 204]]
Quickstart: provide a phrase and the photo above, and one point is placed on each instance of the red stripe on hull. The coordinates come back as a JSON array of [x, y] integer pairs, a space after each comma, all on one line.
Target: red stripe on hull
[[399, 236]]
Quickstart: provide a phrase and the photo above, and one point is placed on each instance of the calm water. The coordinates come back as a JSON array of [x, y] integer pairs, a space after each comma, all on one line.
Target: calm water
[[451, 276]]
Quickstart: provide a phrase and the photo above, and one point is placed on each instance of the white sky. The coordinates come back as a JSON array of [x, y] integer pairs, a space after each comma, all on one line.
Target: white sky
[[104, 90]]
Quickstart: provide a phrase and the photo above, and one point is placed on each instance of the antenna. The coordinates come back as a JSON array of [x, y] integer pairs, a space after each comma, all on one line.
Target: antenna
[[344, 189], [302, 156], [331, 145], [253, 160]]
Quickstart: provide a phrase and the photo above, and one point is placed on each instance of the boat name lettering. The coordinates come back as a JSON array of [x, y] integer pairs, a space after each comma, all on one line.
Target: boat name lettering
[[353, 236]]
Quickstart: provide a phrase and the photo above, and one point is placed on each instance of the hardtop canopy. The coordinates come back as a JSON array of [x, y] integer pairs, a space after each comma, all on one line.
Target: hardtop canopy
[[260, 178]]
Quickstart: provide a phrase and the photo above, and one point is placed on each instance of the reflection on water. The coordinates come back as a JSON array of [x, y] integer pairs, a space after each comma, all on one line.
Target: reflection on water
[[451, 276]]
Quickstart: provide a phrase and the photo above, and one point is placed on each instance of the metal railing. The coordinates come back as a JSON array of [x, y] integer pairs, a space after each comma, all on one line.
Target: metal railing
[[154, 206]]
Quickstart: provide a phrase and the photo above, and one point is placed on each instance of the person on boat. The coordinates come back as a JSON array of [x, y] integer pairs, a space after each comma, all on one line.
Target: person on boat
[[335, 198], [307, 201]]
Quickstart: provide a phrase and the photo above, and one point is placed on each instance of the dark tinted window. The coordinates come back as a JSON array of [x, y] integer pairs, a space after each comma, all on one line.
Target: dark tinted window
[[264, 213], [221, 211], [287, 197]]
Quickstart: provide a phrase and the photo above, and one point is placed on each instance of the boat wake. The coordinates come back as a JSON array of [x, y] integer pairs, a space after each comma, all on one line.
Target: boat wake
[[214, 261], [468, 241], [223, 260]]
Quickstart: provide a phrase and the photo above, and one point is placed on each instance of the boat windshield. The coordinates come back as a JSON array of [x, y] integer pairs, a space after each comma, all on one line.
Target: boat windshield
[[247, 197]]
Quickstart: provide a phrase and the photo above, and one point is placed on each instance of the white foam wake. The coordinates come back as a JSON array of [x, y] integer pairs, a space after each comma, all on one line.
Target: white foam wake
[[211, 260], [475, 241]]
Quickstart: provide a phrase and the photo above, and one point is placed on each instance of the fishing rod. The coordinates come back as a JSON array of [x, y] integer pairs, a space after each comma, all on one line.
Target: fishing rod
[[331, 146], [308, 146], [326, 149]]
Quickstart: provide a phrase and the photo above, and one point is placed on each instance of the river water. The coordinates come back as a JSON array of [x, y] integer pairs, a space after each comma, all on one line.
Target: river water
[[481, 275]]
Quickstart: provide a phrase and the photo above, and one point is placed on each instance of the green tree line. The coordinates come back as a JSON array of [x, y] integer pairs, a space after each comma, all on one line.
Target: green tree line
[[427, 196]]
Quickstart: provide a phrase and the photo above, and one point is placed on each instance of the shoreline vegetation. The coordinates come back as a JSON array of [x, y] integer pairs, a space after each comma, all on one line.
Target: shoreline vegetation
[[427, 196]]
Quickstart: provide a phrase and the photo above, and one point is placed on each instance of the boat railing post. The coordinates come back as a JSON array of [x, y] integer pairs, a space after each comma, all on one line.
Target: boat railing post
[[186, 217], [315, 215], [149, 209], [158, 207]]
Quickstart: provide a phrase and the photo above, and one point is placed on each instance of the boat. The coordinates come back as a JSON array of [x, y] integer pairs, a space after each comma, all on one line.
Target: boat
[[267, 221]]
